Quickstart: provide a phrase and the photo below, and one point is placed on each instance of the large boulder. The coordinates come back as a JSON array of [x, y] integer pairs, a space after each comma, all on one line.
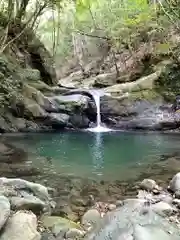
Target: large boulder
[[72, 103], [28, 202], [175, 183], [144, 83], [128, 113], [123, 224], [22, 225], [5, 210], [16, 185], [36, 95], [151, 232], [57, 120]]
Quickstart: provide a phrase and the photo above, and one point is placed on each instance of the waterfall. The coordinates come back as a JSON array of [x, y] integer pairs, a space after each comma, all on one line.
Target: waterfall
[[96, 94], [97, 102]]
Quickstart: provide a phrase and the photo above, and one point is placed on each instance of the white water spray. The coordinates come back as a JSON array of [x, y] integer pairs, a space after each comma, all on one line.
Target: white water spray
[[99, 127]]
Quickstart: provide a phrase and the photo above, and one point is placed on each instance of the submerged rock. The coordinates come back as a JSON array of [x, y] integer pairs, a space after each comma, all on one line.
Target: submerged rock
[[11, 154]]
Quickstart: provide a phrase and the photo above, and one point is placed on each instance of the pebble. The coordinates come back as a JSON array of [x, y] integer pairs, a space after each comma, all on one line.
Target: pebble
[[111, 207], [119, 203], [74, 233]]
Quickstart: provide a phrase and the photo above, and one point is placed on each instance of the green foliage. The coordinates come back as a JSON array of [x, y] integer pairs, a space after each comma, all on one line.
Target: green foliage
[[118, 19], [10, 81], [168, 84]]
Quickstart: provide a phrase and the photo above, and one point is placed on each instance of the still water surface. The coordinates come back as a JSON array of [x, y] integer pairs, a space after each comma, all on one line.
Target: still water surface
[[114, 155]]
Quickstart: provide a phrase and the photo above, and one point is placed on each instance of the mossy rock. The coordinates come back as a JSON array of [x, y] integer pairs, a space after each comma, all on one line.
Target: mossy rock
[[51, 221], [30, 75], [168, 84], [32, 93], [145, 94]]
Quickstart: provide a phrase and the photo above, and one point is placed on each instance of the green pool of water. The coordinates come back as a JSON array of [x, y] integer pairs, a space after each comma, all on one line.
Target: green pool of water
[[114, 155]]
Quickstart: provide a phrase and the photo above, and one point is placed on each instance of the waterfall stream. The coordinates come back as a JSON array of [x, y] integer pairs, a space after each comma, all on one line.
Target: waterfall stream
[[96, 94]]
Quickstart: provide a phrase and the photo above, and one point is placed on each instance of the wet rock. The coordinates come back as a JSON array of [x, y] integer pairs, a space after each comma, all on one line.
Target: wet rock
[[92, 216], [175, 183], [79, 121], [21, 225], [27, 203], [4, 210], [148, 184]]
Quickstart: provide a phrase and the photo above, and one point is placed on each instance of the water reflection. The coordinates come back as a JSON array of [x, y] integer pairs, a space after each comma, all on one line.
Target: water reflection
[[108, 155], [97, 153]]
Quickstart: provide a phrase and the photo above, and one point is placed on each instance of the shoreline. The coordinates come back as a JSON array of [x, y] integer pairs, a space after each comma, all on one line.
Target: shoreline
[[72, 197]]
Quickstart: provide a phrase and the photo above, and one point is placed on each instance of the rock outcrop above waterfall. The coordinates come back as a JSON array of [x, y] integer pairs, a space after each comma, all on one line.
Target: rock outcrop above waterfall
[[35, 106], [144, 103]]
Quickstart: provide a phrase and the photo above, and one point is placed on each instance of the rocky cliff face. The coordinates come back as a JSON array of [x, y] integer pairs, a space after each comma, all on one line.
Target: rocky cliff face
[[33, 99], [28, 85]]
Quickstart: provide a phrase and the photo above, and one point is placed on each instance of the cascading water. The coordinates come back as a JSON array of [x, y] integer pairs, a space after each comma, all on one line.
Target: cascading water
[[96, 94]]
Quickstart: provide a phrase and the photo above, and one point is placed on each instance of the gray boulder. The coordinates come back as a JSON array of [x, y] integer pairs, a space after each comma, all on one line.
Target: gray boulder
[[121, 222], [27, 203], [92, 217], [148, 184], [21, 225], [163, 208], [36, 189], [175, 183], [4, 210], [151, 232]]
